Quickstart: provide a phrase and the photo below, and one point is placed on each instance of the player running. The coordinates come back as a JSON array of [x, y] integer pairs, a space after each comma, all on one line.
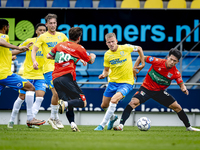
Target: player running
[[66, 55], [158, 78], [34, 76], [7, 78], [48, 41], [121, 78]]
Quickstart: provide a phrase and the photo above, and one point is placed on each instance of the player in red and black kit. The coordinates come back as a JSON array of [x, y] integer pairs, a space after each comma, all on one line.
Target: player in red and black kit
[[66, 55], [158, 78]]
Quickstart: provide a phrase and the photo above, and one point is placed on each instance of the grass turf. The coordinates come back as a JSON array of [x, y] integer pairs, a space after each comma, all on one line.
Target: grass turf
[[45, 138]]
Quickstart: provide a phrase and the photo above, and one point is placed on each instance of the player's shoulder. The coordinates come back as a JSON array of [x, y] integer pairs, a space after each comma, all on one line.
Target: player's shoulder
[[60, 33], [4, 36]]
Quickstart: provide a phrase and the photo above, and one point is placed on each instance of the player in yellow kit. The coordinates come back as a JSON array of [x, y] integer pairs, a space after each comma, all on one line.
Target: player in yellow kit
[[47, 41], [7, 78], [34, 76], [121, 78]]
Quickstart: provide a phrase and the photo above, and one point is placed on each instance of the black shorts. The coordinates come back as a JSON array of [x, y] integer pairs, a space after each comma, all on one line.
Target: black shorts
[[67, 88], [161, 97]]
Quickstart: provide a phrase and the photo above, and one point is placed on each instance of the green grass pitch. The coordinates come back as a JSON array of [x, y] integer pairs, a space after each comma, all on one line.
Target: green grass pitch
[[46, 138]]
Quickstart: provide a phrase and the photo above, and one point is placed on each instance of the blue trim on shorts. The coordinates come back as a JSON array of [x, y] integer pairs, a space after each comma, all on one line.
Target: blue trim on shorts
[[48, 79], [113, 88]]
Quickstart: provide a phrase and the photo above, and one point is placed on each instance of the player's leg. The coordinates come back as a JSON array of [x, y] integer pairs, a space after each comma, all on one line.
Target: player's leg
[[54, 103], [182, 116], [16, 107], [141, 96], [40, 89]]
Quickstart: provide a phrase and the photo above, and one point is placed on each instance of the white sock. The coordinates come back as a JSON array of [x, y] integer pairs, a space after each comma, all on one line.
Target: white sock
[[73, 124], [109, 113], [54, 111], [15, 110], [29, 104], [112, 117], [36, 105]]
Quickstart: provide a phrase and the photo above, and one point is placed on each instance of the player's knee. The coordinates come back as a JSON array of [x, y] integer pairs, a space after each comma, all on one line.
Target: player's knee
[[28, 87], [134, 102], [22, 96]]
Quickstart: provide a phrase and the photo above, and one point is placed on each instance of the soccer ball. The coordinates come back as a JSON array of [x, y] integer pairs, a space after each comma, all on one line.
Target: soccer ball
[[144, 124]]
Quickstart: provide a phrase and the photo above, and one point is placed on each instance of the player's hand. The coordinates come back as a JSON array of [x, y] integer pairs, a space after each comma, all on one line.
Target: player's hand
[[14, 57], [84, 62], [138, 68], [26, 48], [185, 91], [102, 76], [35, 65]]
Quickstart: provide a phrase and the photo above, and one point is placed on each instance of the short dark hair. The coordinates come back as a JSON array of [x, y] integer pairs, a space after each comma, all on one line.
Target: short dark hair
[[175, 52], [39, 24], [3, 22], [50, 16], [75, 33]]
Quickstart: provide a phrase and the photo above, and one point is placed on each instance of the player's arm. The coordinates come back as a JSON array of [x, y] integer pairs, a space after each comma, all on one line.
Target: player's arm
[[33, 56], [22, 49], [50, 57], [84, 62], [93, 56], [8, 45], [183, 88], [141, 55], [104, 73]]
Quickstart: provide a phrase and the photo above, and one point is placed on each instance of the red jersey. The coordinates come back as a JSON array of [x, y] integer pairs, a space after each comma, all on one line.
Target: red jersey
[[67, 54], [159, 77]]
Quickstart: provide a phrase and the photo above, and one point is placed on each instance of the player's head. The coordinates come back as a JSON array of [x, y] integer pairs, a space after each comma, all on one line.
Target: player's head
[[111, 41], [40, 28], [173, 58], [75, 34], [51, 22], [4, 26]]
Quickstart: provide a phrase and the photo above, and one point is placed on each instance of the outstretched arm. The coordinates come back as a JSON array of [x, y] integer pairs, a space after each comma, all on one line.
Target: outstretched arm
[[33, 56]]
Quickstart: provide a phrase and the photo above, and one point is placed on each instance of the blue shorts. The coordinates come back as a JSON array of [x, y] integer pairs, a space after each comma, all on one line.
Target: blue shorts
[[113, 88], [48, 79], [39, 84], [14, 81]]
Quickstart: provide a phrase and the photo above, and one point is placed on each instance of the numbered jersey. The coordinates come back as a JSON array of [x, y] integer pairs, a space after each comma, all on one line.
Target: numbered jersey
[[67, 54]]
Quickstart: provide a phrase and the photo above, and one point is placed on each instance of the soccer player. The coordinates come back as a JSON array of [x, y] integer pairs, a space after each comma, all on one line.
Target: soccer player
[[66, 55], [121, 78], [158, 78], [47, 41], [7, 78], [34, 76]]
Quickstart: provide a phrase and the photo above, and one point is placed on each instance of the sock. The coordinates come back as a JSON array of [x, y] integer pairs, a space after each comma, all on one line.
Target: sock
[[36, 105], [77, 103], [54, 111], [29, 98], [109, 113], [70, 115], [15, 110], [126, 113], [183, 117], [112, 117], [66, 104], [73, 124]]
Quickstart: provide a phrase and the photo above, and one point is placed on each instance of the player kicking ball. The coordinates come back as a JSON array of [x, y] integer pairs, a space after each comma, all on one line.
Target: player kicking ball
[[158, 78]]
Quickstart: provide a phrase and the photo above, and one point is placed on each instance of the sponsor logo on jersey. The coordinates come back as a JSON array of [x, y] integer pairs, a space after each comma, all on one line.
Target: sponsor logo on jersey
[[151, 59]]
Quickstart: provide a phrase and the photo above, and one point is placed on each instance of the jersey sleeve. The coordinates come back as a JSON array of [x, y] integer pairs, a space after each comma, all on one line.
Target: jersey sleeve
[[132, 48], [178, 77], [152, 60], [53, 51], [24, 43], [84, 55]]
